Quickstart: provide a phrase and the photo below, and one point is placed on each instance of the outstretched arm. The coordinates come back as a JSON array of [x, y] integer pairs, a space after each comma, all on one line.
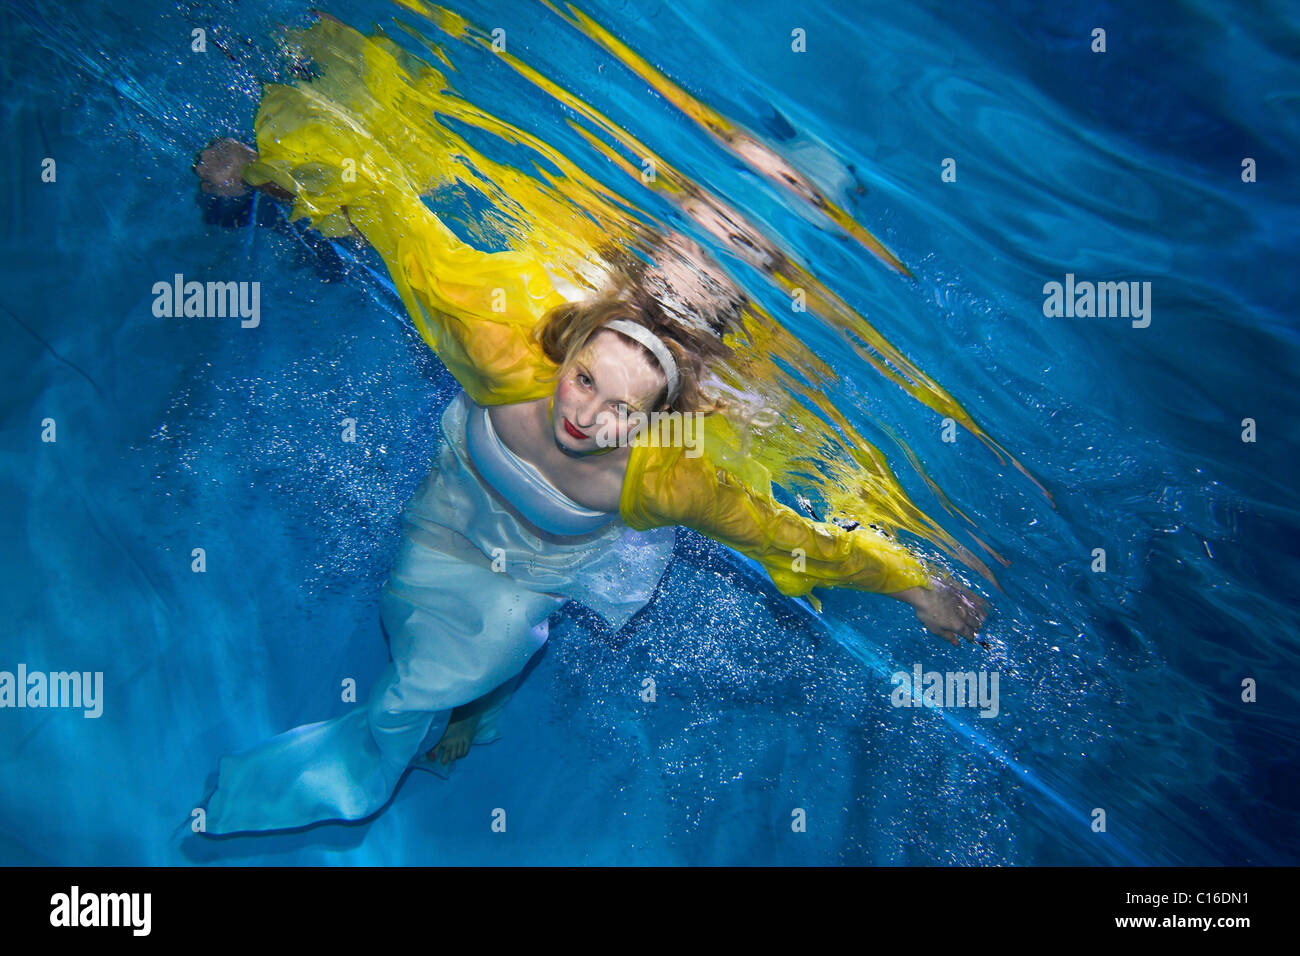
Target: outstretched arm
[[475, 309], [664, 486]]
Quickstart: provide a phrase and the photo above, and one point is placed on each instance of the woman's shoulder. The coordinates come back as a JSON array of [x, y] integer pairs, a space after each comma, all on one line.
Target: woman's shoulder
[[679, 460]]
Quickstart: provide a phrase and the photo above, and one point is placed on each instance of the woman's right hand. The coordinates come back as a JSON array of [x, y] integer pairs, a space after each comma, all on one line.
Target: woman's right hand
[[220, 167], [947, 609]]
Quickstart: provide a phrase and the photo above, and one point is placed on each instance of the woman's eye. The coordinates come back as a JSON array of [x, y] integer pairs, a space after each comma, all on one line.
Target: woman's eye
[[583, 380]]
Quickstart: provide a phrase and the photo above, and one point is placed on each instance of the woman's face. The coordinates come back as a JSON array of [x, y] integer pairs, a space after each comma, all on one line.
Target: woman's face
[[609, 374]]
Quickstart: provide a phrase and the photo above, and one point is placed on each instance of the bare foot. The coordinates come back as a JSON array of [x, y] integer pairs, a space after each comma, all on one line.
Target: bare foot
[[455, 741], [221, 165]]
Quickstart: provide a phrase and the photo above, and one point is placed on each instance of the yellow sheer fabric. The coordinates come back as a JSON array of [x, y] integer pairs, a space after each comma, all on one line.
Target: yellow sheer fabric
[[727, 495], [359, 144], [340, 144]]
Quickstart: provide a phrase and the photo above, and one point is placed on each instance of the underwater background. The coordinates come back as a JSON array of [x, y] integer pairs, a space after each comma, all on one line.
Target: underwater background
[[1120, 690]]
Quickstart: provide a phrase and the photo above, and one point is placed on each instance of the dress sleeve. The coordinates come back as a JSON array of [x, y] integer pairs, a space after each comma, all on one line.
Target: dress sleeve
[[345, 145], [477, 310], [667, 486]]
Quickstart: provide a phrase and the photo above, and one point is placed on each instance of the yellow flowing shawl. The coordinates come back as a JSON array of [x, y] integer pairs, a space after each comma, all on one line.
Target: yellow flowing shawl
[[371, 133]]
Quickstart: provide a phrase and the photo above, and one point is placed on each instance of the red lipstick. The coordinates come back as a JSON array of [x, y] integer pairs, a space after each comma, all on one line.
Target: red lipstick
[[568, 426]]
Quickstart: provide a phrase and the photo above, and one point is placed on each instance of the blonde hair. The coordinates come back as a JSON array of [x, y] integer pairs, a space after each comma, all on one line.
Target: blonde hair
[[566, 329]]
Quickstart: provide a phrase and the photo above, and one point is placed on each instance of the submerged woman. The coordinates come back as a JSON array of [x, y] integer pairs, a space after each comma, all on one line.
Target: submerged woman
[[544, 489]]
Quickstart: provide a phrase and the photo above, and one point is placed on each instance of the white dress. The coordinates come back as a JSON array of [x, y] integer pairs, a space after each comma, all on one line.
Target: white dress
[[465, 606]]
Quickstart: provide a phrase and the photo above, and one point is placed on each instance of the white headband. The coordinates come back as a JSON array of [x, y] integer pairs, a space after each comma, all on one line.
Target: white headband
[[656, 347]]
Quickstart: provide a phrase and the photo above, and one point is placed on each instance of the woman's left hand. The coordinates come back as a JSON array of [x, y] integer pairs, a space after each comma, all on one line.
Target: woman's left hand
[[948, 609]]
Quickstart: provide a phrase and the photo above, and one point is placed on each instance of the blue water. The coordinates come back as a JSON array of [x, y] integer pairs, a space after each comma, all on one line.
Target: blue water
[[1120, 691]]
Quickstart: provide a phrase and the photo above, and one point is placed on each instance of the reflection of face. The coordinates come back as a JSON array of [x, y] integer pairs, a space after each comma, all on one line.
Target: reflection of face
[[731, 230], [611, 372], [689, 274], [774, 167]]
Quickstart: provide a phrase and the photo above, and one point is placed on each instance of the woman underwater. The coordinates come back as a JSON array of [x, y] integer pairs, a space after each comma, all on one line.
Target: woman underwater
[[544, 490]]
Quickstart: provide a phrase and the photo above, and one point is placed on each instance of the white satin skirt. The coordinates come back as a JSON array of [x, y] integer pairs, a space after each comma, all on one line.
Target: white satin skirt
[[465, 606]]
